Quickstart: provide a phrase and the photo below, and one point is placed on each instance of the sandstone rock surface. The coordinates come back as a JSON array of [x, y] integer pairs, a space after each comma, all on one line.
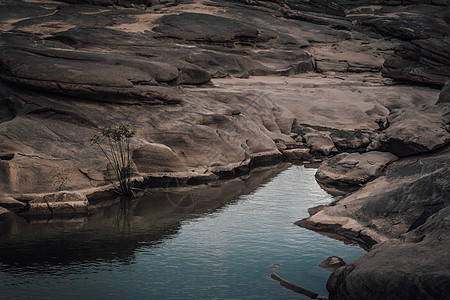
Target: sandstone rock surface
[[405, 210], [216, 88], [413, 131], [352, 169]]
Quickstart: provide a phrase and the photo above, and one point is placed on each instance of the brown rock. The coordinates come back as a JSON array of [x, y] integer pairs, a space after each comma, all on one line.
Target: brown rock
[[320, 142], [297, 154], [413, 131], [347, 169], [405, 211], [332, 263]]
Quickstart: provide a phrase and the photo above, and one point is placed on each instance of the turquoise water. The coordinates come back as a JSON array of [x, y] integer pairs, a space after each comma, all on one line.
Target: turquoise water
[[209, 242]]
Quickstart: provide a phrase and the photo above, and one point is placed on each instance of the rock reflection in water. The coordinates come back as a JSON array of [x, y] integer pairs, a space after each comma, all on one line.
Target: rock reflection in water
[[114, 231]]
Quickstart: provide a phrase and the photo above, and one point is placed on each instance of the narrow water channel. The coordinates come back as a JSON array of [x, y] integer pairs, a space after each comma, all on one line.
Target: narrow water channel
[[208, 242]]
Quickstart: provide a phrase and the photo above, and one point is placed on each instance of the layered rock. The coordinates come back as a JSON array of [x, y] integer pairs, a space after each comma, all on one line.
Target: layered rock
[[353, 169], [170, 70], [420, 61], [413, 131], [405, 210]]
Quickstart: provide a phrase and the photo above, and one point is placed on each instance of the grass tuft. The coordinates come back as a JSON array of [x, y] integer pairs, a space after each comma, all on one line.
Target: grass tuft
[[117, 151]]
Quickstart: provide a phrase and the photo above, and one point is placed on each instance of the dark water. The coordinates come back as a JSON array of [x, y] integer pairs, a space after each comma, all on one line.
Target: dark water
[[209, 242]]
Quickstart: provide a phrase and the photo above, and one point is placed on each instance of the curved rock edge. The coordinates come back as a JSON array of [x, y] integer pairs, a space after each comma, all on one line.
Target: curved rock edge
[[60, 204]]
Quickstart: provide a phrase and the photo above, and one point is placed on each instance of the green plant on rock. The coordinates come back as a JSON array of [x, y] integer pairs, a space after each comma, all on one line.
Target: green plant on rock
[[117, 151]]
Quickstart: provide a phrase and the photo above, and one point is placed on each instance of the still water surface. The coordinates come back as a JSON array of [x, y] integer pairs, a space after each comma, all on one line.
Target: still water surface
[[214, 242]]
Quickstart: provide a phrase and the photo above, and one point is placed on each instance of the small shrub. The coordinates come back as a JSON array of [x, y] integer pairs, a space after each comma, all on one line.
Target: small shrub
[[117, 152]]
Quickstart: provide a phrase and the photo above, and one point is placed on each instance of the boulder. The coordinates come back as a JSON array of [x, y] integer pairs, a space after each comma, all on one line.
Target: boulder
[[414, 269], [320, 142], [414, 130], [156, 158], [350, 169], [332, 263], [356, 139]]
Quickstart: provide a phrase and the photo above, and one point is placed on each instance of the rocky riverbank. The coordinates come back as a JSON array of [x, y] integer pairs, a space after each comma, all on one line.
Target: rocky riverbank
[[216, 88]]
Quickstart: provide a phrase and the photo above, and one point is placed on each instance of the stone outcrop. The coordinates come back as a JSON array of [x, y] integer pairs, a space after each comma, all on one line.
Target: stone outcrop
[[183, 74], [420, 61], [353, 169], [405, 211], [320, 142], [332, 263], [423, 28], [413, 131]]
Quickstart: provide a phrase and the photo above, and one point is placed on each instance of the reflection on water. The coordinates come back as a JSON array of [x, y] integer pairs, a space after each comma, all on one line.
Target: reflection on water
[[122, 222], [208, 241]]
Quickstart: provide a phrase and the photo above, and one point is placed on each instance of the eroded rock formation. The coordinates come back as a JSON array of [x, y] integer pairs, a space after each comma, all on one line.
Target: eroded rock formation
[[405, 213], [215, 88]]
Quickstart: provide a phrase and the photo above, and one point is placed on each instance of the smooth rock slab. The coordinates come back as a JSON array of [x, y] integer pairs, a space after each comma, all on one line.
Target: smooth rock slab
[[60, 203], [207, 28]]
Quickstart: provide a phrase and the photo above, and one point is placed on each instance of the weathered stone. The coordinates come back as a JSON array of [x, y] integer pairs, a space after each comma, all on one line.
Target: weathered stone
[[320, 142], [347, 169], [207, 28], [68, 70], [413, 131], [297, 154], [406, 210], [61, 203], [4, 213], [351, 139], [92, 75], [421, 61], [156, 158], [332, 263], [63, 196]]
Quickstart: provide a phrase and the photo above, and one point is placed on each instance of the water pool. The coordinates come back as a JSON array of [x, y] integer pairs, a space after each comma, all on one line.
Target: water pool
[[208, 242]]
